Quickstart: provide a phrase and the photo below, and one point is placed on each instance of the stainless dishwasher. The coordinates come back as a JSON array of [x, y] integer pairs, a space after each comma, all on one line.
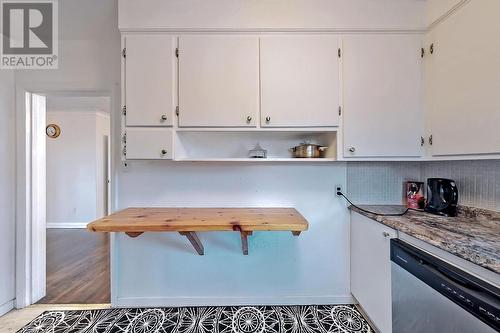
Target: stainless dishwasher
[[430, 295]]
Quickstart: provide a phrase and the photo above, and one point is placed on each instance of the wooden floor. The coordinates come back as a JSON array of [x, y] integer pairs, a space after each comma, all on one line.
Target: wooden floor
[[77, 267]]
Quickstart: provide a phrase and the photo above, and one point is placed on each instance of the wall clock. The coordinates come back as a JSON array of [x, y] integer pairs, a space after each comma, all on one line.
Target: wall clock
[[53, 131]]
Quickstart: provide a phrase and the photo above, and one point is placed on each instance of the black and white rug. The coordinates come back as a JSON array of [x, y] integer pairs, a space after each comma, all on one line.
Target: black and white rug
[[244, 319]]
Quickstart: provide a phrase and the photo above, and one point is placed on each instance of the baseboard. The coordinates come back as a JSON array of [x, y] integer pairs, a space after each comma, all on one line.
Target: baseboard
[[6, 307], [66, 225], [123, 302]]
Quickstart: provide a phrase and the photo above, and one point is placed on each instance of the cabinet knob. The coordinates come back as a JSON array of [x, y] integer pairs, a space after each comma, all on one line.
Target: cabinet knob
[[164, 117], [249, 119], [268, 119], [164, 152], [386, 234], [352, 149]]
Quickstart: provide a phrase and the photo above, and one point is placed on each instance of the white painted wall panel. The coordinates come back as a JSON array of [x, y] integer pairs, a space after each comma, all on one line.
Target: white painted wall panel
[[7, 189], [74, 168], [163, 269], [278, 14]]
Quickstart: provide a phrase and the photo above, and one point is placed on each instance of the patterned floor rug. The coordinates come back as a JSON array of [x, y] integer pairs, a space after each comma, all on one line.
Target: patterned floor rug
[[245, 319]]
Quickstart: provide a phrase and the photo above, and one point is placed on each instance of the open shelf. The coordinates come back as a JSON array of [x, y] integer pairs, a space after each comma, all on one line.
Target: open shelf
[[257, 160], [257, 129], [234, 146]]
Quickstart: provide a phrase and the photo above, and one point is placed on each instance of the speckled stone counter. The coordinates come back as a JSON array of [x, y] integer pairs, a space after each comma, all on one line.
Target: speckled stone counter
[[473, 235]]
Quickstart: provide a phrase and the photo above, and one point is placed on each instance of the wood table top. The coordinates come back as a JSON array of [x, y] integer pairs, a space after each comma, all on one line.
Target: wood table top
[[139, 220]]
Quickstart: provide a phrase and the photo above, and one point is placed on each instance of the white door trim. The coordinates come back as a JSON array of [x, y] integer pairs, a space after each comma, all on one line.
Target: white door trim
[[30, 248]]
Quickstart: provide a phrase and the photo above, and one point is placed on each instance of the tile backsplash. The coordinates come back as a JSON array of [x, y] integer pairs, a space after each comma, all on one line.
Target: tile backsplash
[[379, 183], [382, 182]]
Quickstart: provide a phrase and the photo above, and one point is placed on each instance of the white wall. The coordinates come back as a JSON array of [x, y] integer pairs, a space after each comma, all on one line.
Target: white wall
[[7, 190], [272, 14], [75, 167], [163, 269], [89, 50]]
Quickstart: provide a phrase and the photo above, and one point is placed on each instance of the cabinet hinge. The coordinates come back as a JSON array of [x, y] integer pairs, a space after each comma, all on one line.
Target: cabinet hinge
[[177, 110], [422, 141], [124, 52], [422, 52], [177, 52], [124, 151], [430, 140], [340, 110], [124, 110], [124, 138], [339, 52]]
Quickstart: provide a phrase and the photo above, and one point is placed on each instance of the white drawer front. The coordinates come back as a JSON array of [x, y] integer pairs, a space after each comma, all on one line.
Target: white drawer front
[[149, 144]]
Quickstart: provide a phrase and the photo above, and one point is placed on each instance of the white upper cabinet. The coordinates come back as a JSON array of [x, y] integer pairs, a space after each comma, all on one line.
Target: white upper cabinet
[[299, 80], [150, 80], [463, 78], [218, 81], [382, 96], [437, 9]]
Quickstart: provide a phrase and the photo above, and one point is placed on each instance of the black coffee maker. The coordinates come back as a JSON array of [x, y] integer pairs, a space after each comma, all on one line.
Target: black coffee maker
[[442, 197]]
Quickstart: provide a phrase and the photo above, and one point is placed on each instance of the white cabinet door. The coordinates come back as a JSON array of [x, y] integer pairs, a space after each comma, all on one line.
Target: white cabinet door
[[149, 143], [218, 81], [382, 96], [464, 79], [150, 80], [371, 269], [299, 81]]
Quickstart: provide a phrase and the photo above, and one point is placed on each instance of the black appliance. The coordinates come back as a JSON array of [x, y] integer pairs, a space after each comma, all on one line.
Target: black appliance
[[442, 197]]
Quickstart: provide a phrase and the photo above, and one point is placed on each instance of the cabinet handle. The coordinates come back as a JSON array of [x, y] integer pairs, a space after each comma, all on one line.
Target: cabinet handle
[[268, 119], [249, 119], [386, 234], [352, 149], [164, 117], [164, 152]]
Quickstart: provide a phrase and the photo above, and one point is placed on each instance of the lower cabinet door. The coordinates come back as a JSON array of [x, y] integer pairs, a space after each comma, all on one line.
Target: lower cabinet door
[[149, 143], [371, 269]]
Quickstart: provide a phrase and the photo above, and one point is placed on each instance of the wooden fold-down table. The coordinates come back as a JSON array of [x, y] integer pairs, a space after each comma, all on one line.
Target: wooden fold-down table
[[188, 221]]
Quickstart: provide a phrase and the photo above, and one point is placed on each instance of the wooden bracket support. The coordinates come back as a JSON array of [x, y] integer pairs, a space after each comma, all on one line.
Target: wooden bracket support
[[244, 241], [194, 240], [133, 234]]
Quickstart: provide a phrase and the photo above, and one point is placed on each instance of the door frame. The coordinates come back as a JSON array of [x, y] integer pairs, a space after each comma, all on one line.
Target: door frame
[[30, 251]]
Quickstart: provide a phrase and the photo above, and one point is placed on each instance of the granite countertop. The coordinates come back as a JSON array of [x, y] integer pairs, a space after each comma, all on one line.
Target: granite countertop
[[473, 235]]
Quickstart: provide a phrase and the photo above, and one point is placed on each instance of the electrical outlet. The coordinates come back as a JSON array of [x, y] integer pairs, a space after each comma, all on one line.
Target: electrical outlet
[[338, 189]]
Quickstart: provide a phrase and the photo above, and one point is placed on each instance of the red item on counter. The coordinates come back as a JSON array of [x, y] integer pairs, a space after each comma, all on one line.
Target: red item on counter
[[415, 195]]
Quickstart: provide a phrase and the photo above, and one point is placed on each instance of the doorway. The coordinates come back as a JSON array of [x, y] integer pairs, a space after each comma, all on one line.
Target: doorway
[[69, 162]]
